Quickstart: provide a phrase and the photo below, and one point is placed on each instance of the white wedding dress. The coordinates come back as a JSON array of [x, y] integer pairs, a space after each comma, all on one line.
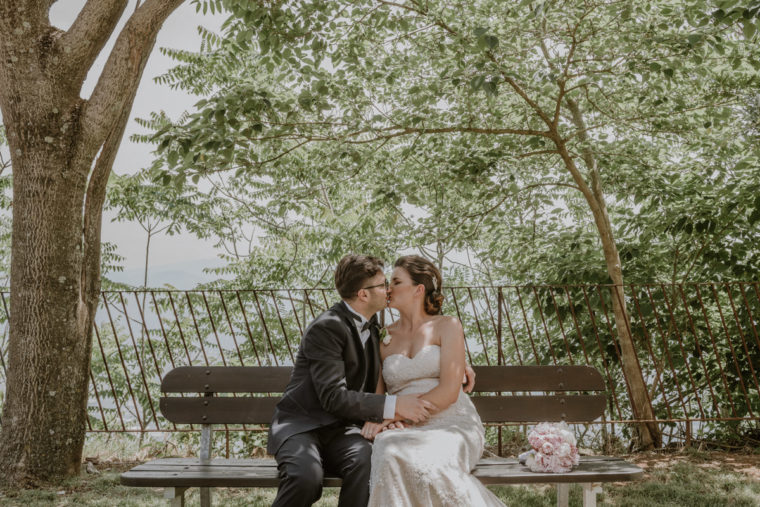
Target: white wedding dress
[[430, 464]]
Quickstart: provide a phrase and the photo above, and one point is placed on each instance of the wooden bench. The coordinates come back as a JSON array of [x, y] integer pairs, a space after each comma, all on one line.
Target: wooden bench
[[523, 394]]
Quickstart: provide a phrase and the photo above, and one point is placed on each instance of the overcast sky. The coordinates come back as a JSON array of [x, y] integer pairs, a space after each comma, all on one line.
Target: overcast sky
[[179, 32]]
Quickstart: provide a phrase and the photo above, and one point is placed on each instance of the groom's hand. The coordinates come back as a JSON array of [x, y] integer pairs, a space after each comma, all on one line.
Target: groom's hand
[[412, 408], [371, 429]]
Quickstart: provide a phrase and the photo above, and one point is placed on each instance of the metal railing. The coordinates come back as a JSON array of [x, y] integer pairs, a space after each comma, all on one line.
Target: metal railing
[[696, 344]]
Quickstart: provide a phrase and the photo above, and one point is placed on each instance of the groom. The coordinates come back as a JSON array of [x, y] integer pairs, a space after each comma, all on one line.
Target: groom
[[316, 425]]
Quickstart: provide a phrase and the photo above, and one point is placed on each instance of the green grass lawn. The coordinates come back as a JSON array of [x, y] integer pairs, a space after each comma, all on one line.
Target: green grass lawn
[[685, 479]]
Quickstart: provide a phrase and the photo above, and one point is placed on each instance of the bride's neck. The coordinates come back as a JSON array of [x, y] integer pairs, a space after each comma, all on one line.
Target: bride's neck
[[411, 319]]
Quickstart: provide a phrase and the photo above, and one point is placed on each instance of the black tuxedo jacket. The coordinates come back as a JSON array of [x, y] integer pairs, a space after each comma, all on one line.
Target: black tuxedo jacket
[[333, 380]]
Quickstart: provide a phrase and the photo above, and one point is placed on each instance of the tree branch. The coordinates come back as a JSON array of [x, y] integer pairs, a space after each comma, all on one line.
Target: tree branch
[[540, 152], [93, 209], [104, 121], [122, 72], [83, 42]]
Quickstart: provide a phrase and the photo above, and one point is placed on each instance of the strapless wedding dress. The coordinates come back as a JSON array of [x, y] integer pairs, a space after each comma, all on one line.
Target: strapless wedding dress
[[430, 464]]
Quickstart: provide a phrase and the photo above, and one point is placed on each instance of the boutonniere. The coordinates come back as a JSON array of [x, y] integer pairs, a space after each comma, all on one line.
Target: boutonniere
[[384, 336]]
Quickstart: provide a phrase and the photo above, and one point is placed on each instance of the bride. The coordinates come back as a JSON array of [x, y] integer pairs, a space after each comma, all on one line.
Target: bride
[[430, 463]]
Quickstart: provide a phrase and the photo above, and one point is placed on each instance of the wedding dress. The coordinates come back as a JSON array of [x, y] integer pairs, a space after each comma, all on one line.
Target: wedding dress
[[430, 464]]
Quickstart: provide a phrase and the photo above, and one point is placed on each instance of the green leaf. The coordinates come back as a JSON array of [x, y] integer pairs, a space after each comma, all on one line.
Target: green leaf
[[172, 158], [476, 83], [480, 31], [748, 28]]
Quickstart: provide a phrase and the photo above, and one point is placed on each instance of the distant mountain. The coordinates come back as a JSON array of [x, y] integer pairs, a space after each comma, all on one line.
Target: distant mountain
[[181, 275]]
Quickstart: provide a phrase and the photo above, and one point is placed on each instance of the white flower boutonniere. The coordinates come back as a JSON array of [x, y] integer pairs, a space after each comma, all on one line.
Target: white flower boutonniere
[[384, 336]]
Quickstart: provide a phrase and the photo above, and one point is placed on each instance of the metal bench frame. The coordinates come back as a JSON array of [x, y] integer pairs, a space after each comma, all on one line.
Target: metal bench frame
[[502, 394]]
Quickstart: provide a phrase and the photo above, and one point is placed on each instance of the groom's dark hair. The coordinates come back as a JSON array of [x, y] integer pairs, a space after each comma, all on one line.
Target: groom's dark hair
[[353, 271]]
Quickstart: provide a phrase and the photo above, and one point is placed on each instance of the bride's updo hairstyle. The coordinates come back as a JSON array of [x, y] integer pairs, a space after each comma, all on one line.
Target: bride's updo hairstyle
[[424, 272]]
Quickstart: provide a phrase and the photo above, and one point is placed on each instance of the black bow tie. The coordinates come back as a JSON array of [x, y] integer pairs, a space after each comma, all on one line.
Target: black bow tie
[[364, 327]]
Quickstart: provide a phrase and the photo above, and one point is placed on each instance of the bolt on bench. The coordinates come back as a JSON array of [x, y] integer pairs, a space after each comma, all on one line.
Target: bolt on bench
[[492, 399]]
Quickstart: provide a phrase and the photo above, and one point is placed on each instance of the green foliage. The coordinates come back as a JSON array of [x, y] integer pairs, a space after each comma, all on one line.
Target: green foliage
[[482, 141], [433, 121]]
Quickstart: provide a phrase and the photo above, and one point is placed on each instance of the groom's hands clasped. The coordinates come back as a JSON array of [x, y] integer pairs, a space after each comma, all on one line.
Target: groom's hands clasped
[[410, 407]]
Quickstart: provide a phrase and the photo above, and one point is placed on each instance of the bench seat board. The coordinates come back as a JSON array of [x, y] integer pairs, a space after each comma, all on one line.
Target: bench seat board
[[188, 472]]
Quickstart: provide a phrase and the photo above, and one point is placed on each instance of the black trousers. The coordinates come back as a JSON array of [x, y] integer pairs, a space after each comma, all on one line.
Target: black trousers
[[303, 459]]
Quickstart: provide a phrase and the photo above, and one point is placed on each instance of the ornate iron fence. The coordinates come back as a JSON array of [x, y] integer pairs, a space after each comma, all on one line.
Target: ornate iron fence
[[696, 344]]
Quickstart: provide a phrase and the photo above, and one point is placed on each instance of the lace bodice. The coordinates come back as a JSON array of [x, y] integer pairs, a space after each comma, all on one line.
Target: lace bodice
[[413, 374]]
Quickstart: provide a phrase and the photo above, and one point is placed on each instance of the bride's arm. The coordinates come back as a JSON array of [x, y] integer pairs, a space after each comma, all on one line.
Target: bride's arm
[[452, 365]]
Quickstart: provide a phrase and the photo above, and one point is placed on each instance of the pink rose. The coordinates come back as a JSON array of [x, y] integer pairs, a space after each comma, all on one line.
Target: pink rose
[[555, 448]]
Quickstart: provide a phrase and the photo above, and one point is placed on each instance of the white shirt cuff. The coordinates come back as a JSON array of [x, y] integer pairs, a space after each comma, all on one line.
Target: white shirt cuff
[[389, 411]]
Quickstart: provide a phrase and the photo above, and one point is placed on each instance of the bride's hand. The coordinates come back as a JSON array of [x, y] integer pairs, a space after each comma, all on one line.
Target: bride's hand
[[468, 382], [371, 429], [395, 425]]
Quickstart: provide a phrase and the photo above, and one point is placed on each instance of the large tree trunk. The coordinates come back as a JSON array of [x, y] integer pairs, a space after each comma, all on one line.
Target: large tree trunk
[[44, 412], [58, 192]]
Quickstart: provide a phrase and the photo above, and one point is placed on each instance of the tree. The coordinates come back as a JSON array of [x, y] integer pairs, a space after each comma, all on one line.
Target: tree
[[62, 148], [588, 89], [134, 200]]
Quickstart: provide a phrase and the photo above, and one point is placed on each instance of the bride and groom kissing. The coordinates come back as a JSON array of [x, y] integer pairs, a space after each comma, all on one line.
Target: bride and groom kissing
[[390, 417]]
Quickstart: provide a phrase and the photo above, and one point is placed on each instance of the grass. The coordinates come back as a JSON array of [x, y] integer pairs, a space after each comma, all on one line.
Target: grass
[[691, 479]]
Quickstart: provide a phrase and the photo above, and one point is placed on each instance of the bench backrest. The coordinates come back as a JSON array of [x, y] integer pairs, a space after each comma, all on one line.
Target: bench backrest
[[502, 393]]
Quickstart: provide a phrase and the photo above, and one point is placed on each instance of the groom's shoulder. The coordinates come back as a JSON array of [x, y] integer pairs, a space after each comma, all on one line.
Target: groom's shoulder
[[332, 318]]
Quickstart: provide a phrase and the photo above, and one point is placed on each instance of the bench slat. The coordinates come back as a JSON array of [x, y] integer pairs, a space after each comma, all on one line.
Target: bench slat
[[273, 379], [259, 410], [182, 472], [216, 410], [575, 408], [509, 471], [491, 379], [227, 379]]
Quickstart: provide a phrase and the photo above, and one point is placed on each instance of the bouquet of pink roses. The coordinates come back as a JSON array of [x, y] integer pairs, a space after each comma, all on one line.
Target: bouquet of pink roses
[[554, 449]]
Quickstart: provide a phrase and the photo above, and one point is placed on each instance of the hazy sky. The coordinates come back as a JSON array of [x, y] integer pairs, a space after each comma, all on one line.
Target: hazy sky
[[179, 31]]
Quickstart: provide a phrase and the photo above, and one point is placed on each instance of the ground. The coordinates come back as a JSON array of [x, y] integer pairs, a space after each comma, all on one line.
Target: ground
[[745, 463], [685, 477]]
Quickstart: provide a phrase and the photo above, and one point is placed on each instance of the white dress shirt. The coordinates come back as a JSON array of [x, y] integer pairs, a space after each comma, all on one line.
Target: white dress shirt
[[389, 409]]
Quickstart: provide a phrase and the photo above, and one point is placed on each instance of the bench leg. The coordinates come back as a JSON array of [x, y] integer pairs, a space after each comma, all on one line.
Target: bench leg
[[563, 494], [205, 460], [590, 491], [176, 496], [205, 497]]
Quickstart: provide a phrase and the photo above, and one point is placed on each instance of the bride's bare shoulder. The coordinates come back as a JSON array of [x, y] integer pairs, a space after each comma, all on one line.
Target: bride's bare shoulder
[[447, 322]]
